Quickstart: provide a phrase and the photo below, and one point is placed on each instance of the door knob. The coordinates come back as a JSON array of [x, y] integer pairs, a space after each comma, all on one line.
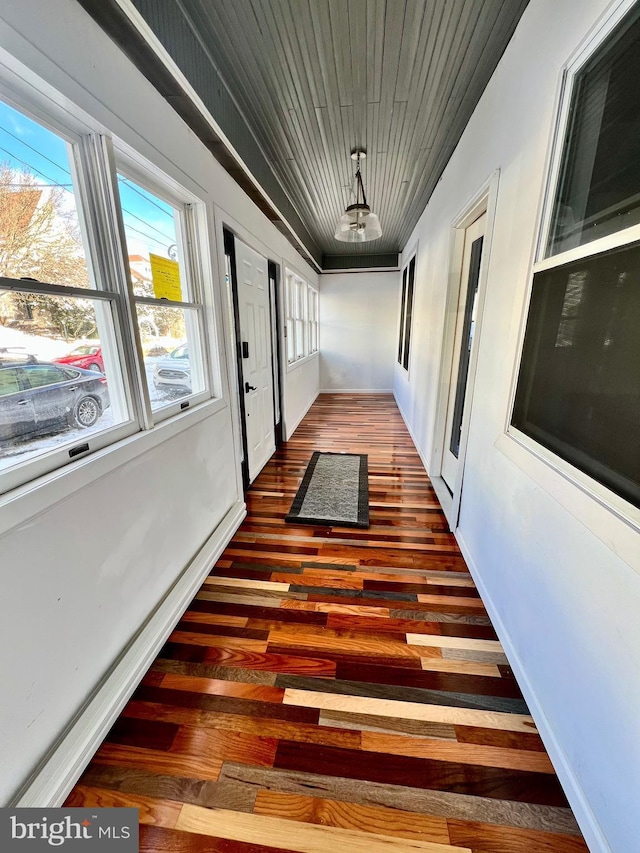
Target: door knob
[[248, 387]]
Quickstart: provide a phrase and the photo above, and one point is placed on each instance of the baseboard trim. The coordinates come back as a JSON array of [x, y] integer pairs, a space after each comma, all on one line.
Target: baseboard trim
[[58, 773], [410, 431], [291, 431], [356, 390], [439, 486], [595, 838]]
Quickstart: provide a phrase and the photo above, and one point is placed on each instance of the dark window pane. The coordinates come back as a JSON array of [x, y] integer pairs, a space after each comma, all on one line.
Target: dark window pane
[[599, 190], [465, 344], [403, 308], [578, 391], [408, 313]]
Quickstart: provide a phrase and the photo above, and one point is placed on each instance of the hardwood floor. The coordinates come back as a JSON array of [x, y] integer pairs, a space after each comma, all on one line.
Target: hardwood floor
[[334, 686]]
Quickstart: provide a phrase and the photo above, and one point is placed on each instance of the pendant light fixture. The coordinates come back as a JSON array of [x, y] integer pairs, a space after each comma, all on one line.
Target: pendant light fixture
[[358, 224]]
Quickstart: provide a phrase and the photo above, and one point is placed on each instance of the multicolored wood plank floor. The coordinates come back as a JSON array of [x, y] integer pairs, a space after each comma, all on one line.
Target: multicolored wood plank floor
[[335, 688]]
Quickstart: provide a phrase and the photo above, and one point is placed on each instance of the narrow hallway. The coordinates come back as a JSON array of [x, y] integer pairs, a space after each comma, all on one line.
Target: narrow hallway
[[335, 686]]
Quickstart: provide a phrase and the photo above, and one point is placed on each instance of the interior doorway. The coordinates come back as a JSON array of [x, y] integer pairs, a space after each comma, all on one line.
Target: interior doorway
[[468, 265], [466, 319], [254, 295]]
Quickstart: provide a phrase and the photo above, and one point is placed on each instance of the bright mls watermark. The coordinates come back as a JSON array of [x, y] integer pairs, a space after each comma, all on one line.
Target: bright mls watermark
[[27, 830]]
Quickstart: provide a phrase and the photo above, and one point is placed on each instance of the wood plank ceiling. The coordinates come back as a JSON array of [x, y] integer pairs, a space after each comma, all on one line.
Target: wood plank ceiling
[[311, 79]]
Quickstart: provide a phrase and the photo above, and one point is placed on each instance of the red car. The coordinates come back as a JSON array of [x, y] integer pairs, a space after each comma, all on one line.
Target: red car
[[86, 356]]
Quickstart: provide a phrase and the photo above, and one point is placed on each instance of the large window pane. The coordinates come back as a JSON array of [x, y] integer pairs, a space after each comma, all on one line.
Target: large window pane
[[578, 391], [61, 382], [40, 234], [290, 312], [153, 243], [171, 347], [313, 320], [599, 190], [300, 318]]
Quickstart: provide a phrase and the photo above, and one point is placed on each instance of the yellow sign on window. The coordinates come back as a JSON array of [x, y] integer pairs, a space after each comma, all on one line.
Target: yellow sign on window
[[165, 274]]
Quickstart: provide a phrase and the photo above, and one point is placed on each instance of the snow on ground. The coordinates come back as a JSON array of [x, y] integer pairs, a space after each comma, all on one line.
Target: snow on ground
[[44, 349], [15, 451], [21, 450]]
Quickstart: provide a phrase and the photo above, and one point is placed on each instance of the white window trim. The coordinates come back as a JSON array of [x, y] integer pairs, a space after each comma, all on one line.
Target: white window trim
[[314, 321], [307, 358], [585, 50], [293, 278], [192, 212], [483, 202], [36, 484], [592, 503]]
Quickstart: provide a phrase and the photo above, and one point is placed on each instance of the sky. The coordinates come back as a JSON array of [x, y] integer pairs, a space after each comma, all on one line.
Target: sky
[[28, 146]]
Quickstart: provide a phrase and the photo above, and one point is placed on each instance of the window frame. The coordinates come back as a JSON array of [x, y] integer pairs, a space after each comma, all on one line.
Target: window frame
[[80, 138], [575, 64], [92, 164], [314, 341], [514, 442], [191, 220], [54, 459], [298, 323]]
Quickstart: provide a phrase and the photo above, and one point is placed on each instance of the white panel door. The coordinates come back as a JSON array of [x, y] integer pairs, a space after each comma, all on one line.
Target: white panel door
[[257, 367], [465, 327]]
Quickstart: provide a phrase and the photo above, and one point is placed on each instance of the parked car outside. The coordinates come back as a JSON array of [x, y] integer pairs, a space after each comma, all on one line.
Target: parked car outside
[[173, 373], [38, 398], [87, 356]]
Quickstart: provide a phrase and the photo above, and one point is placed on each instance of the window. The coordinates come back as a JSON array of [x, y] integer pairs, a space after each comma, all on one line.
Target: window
[[301, 304], [599, 187], [578, 390], [73, 377], [313, 320], [168, 310], [406, 310], [300, 316], [52, 297], [290, 322]]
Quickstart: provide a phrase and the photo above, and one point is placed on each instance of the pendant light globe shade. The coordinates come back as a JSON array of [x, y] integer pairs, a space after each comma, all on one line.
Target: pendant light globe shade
[[358, 225]]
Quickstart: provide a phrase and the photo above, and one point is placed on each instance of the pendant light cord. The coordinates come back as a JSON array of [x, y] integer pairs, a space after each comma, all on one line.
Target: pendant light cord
[[360, 185]]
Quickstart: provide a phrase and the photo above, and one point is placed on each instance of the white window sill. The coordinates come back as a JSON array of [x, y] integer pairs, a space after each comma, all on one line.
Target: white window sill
[[295, 364], [30, 499]]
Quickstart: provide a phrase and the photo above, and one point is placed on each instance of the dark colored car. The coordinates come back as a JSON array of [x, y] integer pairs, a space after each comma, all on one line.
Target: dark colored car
[[87, 356], [37, 398], [173, 373]]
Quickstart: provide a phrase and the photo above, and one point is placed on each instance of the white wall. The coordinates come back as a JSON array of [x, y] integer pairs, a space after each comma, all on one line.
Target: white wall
[[302, 381], [358, 331], [559, 571], [87, 555], [80, 578]]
